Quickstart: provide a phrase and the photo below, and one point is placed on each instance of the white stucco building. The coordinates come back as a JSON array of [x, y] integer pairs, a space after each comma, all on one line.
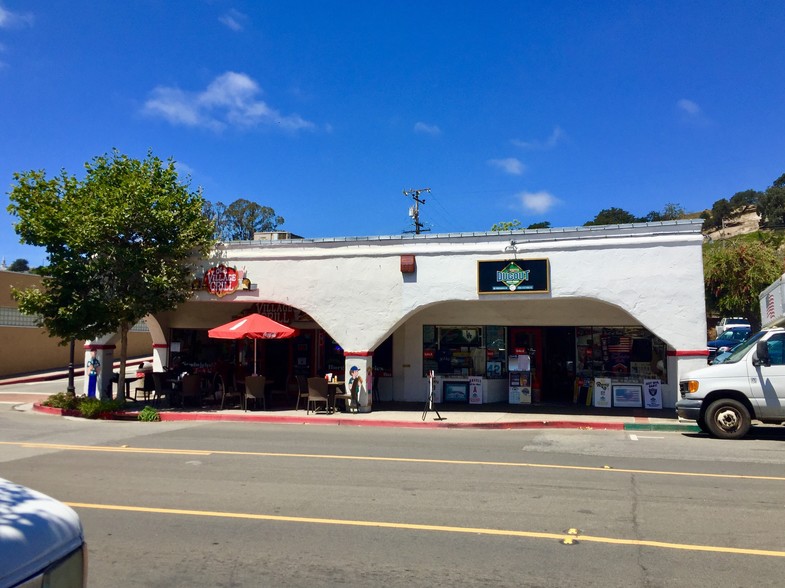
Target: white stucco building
[[582, 303]]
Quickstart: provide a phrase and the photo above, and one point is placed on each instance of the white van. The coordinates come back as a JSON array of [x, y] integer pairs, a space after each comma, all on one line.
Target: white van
[[749, 385], [41, 541]]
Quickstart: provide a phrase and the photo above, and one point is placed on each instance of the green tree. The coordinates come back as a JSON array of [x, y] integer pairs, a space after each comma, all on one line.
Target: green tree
[[121, 244], [512, 225], [735, 272], [541, 225], [771, 206], [743, 200], [19, 265], [672, 211], [720, 210], [612, 216], [241, 219]]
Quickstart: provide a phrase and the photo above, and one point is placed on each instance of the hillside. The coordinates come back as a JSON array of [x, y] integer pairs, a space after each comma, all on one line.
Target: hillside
[[742, 224]]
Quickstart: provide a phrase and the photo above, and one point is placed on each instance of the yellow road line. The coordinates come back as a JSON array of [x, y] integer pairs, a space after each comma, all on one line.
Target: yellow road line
[[106, 448], [434, 528], [606, 469]]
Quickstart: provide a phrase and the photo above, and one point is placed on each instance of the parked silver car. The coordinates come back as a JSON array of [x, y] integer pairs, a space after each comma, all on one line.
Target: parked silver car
[[41, 541]]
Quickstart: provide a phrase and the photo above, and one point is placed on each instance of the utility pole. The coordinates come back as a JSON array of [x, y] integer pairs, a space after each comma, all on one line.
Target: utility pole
[[414, 210]]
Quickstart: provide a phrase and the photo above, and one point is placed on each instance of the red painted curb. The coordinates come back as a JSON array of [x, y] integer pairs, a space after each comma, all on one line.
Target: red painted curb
[[348, 422]]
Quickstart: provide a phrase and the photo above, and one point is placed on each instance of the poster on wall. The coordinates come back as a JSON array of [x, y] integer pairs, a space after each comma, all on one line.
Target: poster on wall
[[526, 387], [602, 392], [515, 388], [475, 390], [628, 395], [652, 393]]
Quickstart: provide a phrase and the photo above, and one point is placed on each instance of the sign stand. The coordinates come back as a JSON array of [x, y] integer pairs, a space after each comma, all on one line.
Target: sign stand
[[429, 402]]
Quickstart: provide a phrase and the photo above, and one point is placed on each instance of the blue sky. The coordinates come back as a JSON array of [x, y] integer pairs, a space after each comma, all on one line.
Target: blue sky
[[327, 111]]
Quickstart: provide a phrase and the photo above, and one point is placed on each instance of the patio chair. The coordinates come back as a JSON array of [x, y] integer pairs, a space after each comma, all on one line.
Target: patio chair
[[254, 390], [317, 394], [159, 387], [225, 389], [349, 402], [302, 391], [191, 388], [146, 388]]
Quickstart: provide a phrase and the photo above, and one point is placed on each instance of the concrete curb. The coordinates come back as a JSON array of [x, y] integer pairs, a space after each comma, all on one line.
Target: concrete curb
[[355, 422]]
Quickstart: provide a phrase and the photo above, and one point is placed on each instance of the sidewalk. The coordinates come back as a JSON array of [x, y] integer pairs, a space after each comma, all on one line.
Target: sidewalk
[[25, 392]]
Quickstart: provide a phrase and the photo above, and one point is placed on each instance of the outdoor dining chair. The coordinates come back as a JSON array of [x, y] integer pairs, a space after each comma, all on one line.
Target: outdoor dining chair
[[254, 390], [159, 386], [317, 394], [191, 387], [302, 391], [225, 389], [146, 388], [350, 403]]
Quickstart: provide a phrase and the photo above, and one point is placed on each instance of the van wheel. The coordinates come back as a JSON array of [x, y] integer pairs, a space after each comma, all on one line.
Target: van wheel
[[702, 426], [728, 419]]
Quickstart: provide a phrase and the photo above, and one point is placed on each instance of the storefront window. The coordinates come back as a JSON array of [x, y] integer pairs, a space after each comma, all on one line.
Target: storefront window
[[462, 351], [496, 352], [619, 353]]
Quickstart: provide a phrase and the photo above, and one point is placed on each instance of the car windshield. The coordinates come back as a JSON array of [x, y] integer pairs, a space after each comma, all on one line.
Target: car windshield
[[741, 350], [736, 334]]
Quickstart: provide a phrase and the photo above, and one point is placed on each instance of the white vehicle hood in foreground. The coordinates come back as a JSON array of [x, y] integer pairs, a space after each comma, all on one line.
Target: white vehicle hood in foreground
[[35, 531]]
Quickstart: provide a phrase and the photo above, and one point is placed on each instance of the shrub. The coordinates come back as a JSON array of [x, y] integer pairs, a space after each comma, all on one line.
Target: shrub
[[90, 408], [149, 414], [62, 400]]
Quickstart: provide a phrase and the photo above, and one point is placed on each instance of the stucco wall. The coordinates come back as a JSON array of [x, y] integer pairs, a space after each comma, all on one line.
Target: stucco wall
[[648, 274], [30, 349]]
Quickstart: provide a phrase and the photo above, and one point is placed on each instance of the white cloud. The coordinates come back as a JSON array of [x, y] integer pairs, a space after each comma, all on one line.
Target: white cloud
[[689, 107], [510, 165], [537, 202], [424, 128], [10, 19], [234, 19], [229, 100], [183, 169], [552, 141]]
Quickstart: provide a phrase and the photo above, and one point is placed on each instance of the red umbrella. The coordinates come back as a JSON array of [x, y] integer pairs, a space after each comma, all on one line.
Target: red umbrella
[[254, 326]]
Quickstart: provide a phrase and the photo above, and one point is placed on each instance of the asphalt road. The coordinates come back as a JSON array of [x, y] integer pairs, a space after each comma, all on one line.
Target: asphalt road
[[232, 504]]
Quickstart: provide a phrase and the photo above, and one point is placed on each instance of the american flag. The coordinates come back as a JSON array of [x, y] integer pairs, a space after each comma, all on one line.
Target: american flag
[[620, 344]]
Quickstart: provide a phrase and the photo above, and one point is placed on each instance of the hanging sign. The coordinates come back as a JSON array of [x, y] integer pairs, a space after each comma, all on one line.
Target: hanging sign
[[222, 280], [513, 276]]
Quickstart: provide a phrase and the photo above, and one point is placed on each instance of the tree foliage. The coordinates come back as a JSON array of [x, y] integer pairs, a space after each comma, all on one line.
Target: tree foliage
[[241, 219], [612, 216], [541, 225], [743, 200], [19, 265], [735, 272], [771, 205], [121, 244], [512, 225]]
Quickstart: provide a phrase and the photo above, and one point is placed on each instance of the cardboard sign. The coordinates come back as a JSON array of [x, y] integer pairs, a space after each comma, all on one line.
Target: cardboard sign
[[652, 394], [475, 390], [602, 392]]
